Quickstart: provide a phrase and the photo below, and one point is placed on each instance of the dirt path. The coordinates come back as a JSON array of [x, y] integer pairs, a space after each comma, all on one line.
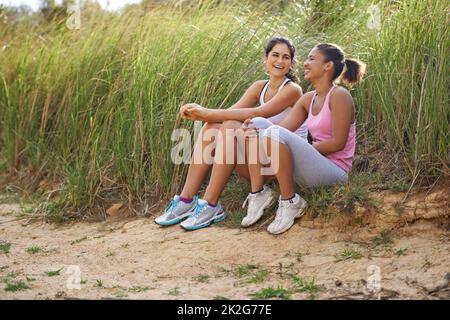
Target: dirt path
[[136, 259]]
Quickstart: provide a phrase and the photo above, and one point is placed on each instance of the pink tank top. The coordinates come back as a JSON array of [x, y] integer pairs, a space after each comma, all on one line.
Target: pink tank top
[[320, 128]]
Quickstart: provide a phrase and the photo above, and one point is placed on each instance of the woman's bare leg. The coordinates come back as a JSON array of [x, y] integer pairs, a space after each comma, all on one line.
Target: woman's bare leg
[[198, 169], [284, 163], [225, 160]]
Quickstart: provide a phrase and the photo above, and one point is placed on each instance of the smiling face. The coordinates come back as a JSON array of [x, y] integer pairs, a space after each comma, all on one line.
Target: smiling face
[[279, 60], [315, 66]]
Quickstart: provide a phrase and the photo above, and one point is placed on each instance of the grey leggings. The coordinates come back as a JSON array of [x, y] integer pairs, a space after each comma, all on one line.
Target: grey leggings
[[311, 168]]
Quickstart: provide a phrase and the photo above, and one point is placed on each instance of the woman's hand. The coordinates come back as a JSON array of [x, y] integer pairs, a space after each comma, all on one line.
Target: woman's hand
[[193, 111], [250, 132]]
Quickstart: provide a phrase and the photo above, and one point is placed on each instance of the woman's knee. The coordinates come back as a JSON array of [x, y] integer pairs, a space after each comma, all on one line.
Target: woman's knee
[[231, 124], [260, 123]]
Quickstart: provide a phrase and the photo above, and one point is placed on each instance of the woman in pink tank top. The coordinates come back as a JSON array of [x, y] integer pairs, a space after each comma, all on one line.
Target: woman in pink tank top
[[329, 113]]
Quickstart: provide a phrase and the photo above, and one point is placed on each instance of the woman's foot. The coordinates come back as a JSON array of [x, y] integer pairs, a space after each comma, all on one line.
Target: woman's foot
[[257, 202], [203, 216], [287, 212], [176, 211]]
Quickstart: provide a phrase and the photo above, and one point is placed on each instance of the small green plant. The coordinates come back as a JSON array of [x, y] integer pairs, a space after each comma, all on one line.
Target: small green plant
[[53, 273], [3, 268], [401, 252], [302, 285], [203, 278], [244, 270], [384, 239], [348, 254], [5, 246], [35, 249], [259, 276], [270, 292], [98, 283], [174, 292], [30, 279], [16, 286], [138, 289]]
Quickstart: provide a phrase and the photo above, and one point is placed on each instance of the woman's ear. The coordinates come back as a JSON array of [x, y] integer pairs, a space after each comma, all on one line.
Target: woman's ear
[[328, 65]]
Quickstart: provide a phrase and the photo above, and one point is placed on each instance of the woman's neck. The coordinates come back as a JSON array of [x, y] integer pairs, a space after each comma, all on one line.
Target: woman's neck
[[322, 86], [275, 82]]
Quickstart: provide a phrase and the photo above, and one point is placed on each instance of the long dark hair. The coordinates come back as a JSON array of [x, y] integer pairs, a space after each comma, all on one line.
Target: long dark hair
[[354, 69], [292, 74]]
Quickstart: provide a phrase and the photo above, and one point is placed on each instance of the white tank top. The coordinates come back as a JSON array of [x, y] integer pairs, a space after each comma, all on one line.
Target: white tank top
[[302, 131]]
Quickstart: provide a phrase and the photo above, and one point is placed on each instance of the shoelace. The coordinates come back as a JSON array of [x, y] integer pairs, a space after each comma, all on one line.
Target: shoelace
[[171, 205], [198, 210], [279, 215], [249, 197]]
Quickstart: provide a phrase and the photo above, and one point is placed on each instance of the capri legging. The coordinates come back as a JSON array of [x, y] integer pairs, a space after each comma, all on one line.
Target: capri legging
[[311, 168]]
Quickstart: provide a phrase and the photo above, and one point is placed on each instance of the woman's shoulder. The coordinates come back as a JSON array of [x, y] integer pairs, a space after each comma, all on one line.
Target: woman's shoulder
[[341, 96], [340, 92]]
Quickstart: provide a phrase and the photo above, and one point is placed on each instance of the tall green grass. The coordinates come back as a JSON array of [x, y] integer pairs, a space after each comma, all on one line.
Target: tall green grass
[[94, 108]]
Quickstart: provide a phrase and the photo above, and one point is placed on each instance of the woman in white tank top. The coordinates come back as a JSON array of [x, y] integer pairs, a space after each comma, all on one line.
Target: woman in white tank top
[[218, 142]]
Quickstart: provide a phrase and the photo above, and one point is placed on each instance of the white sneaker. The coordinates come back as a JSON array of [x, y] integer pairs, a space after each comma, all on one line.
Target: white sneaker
[[257, 202], [287, 212]]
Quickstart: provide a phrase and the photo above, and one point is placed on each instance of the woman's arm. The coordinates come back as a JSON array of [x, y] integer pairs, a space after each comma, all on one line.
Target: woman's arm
[[298, 114], [342, 115], [286, 97]]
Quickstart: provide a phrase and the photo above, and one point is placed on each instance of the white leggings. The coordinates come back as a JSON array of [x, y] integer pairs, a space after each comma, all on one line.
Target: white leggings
[[311, 168]]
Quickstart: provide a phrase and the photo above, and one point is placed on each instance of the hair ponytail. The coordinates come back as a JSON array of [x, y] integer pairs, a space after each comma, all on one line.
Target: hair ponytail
[[354, 71]]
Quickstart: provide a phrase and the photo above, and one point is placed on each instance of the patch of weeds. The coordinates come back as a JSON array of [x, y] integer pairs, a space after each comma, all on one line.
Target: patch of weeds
[[98, 283], [234, 219], [174, 292], [53, 273], [100, 236], [319, 200], [401, 252], [16, 286], [121, 294], [270, 292], [302, 285], [348, 254], [110, 254], [5, 246], [298, 256], [384, 239], [78, 240], [233, 196], [138, 289], [35, 249], [13, 274], [356, 190], [83, 281], [203, 278], [398, 208], [259, 276], [221, 298], [397, 186], [30, 279], [244, 270], [3, 268], [125, 246]]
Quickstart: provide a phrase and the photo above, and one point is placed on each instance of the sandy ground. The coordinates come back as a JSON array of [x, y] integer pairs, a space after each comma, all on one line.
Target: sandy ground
[[133, 258]]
